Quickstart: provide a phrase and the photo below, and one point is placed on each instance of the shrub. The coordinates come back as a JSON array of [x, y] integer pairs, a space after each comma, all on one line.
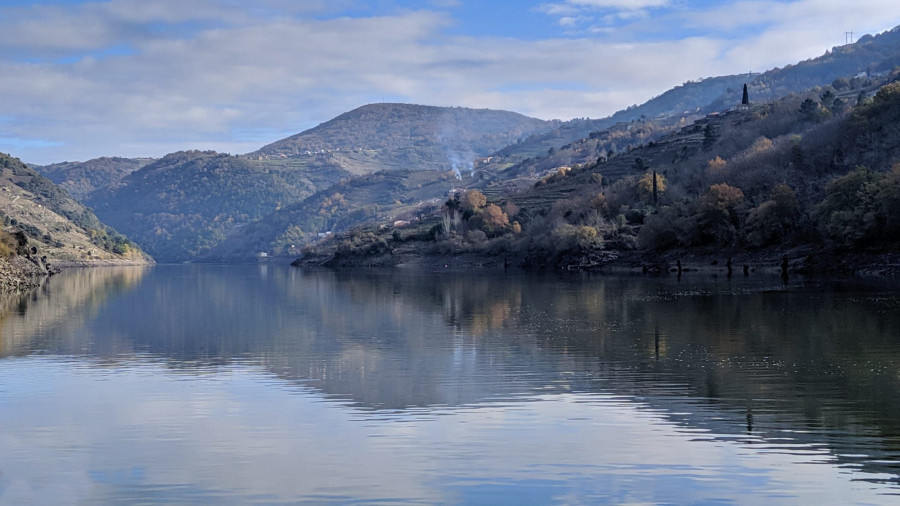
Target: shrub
[[8, 244], [659, 232], [586, 237], [861, 208], [476, 236], [473, 201], [774, 219], [598, 203], [888, 198], [715, 168], [494, 218], [645, 185], [717, 214]]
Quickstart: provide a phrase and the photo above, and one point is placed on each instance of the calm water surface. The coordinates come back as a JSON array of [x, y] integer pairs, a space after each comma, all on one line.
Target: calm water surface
[[267, 384]]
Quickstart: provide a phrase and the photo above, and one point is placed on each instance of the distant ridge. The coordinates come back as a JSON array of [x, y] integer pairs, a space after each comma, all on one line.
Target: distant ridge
[[80, 179]]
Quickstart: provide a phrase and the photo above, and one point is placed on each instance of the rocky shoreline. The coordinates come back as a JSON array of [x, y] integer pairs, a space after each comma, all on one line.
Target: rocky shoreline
[[20, 273], [800, 260]]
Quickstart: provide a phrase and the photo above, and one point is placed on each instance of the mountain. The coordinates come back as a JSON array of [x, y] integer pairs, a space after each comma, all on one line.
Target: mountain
[[872, 56], [56, 225], [403, 136], [514, 167], [180, 207], [80, 179]]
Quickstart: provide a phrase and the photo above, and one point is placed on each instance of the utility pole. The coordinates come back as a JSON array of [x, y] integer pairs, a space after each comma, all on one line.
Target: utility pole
[[848, 37]]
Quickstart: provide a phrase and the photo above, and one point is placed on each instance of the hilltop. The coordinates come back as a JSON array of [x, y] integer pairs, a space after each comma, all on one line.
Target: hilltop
[[404, 136]]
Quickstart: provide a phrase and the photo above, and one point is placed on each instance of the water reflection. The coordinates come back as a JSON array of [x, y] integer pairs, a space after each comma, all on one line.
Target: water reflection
[[805, 371], [46, 318]]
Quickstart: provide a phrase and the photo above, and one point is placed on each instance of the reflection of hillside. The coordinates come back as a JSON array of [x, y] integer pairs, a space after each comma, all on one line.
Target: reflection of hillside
[[733, 359], [47, 316], [349, 331], [818, 363]]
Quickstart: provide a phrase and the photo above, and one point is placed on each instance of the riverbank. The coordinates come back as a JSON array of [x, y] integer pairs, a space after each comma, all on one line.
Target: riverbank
[[805, 260], [67, 264]]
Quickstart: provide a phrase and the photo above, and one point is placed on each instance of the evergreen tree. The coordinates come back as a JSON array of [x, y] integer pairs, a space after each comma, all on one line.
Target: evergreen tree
[[745, 100], [709, 136]]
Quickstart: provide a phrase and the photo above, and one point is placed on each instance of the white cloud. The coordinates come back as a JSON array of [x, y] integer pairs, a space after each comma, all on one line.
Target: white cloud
[[619, 4], [586, 13], [574, 6], [779, 33], [233, 70]]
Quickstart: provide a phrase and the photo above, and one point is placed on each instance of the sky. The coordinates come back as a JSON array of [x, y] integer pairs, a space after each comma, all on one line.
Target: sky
[[83, 79]]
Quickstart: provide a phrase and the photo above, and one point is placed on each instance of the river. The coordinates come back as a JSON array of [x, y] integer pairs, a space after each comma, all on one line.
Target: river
[[270, 384]]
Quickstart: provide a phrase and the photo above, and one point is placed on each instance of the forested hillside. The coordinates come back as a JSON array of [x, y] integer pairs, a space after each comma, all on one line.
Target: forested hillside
[[182, 205]]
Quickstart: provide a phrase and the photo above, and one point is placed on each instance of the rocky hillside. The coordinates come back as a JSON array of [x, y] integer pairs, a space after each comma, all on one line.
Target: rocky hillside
[[58, 227], [80, 179]]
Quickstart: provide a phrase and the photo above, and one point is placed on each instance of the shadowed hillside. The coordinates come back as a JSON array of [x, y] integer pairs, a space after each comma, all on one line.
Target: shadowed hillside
[[185, 203]]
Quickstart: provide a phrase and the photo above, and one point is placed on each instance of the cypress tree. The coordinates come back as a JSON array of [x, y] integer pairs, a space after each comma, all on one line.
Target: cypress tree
[[709, 136], [746, 98]]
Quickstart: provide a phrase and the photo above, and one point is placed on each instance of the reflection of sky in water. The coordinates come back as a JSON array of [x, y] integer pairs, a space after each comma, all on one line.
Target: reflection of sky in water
[[81, 434], [269, 384]]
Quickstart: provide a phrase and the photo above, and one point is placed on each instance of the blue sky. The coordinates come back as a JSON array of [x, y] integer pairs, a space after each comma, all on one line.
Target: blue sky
[[83, 79]]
